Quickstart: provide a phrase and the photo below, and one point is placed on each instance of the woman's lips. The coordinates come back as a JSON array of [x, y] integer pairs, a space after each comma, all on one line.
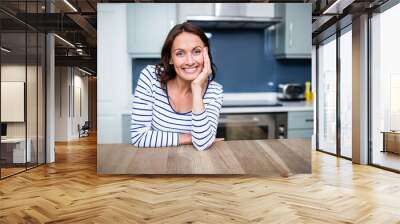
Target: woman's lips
[[190, 70]]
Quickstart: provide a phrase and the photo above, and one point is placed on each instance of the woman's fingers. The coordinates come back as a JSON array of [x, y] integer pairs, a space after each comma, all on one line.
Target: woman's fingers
[[205, 59], [202, 79], [204, 73], [219, 140], [207, 63]]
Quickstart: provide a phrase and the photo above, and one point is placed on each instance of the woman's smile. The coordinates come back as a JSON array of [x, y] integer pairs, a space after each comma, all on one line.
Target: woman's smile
[[191, 71]]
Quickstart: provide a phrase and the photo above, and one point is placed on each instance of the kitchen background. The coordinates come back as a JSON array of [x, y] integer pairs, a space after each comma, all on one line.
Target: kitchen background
[[246, 61], [252, 58]]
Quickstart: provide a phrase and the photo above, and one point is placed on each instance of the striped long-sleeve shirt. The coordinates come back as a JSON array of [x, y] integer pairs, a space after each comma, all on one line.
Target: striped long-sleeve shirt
[[156, 124]]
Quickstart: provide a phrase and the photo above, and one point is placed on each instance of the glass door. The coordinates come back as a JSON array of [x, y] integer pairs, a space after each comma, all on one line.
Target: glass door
[[345, 60], [385, 89], [326, 98], [14, 154], [22, 88]]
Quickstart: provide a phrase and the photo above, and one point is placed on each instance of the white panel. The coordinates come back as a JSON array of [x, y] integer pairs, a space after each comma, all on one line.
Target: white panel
[[395, 102], [77, 112], [144, 41], [114, 76], [260, 9], [194, 9], [12, 101]]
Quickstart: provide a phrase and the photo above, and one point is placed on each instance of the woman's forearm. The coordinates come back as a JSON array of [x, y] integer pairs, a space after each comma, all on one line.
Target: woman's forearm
[[198, 104], [142, 137]]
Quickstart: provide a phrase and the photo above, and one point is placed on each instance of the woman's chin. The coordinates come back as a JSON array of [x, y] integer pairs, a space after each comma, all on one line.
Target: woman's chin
[[189, 76]]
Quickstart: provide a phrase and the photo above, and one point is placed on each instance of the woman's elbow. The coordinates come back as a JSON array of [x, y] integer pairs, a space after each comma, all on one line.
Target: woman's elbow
[[203, 146], [135, 141]]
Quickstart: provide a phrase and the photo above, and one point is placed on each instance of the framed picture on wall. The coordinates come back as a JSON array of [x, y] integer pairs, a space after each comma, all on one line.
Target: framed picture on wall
[[12, 101]]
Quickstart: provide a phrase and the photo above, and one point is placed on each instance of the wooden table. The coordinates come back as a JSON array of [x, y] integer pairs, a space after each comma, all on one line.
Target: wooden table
[[254, 157], [391, 141]]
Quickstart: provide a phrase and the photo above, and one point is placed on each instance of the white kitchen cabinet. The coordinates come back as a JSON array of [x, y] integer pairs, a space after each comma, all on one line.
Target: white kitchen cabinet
[[126, 128], [208, 9], [194, 9], [300, 133], [148, 26], [300, 124], [260, 9], [293, 35]]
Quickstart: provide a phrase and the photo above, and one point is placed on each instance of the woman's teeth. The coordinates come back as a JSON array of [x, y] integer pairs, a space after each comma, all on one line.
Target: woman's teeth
[[189, 70]]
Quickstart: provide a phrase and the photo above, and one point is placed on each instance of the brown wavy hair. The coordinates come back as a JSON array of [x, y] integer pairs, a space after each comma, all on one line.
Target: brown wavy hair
[[166, 71]]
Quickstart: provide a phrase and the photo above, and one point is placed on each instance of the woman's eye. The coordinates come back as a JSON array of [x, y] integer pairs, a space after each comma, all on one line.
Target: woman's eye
[[179, 54], [197, 52]]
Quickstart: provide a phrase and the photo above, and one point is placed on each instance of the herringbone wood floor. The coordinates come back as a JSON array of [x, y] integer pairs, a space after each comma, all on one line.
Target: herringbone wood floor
[[70, 191]]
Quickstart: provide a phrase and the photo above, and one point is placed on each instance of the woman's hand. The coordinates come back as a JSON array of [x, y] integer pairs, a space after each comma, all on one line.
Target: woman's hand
[[185, 139], [199, 84], [219, 140]]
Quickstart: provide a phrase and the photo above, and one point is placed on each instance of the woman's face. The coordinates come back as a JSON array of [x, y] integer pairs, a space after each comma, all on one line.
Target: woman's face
[[187, 56]]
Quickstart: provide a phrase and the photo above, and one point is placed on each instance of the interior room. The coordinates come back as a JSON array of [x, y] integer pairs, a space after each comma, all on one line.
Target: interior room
[[310, 124], [252, 107]]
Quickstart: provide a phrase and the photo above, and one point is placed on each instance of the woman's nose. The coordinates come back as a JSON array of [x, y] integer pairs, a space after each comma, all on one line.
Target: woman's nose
[[189, 59]]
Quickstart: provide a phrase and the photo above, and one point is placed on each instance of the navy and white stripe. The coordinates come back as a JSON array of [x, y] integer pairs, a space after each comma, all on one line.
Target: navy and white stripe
[[156, 124]]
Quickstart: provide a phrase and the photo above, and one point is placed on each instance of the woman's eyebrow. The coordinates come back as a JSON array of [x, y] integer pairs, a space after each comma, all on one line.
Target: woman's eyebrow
[[180, 49]]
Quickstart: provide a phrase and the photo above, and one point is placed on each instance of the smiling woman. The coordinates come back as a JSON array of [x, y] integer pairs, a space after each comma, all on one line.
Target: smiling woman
[[176, 101]]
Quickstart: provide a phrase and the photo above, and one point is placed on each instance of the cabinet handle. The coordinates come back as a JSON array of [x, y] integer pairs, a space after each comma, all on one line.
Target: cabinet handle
[[290, 34], [309, 120]]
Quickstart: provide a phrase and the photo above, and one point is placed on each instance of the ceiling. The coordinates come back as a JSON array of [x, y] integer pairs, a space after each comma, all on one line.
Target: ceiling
[[75, 23], [332, 15]]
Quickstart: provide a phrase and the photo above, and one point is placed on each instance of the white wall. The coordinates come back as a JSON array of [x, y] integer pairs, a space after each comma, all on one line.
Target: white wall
[[114, 79], [67, 116], [15, 72], [61, 103], [80, 82]]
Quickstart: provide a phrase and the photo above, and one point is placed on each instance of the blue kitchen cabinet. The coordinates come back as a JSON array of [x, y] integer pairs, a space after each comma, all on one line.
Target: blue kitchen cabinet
[[148, 26], [293, 35]]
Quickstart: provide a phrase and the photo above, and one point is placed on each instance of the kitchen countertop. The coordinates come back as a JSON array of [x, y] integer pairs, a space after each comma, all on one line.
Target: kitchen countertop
[[286, 107], [271, 157], [268, 98]]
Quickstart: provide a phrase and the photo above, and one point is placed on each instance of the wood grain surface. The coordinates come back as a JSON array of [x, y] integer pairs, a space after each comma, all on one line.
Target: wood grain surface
[[71, 191], [270, 157]]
